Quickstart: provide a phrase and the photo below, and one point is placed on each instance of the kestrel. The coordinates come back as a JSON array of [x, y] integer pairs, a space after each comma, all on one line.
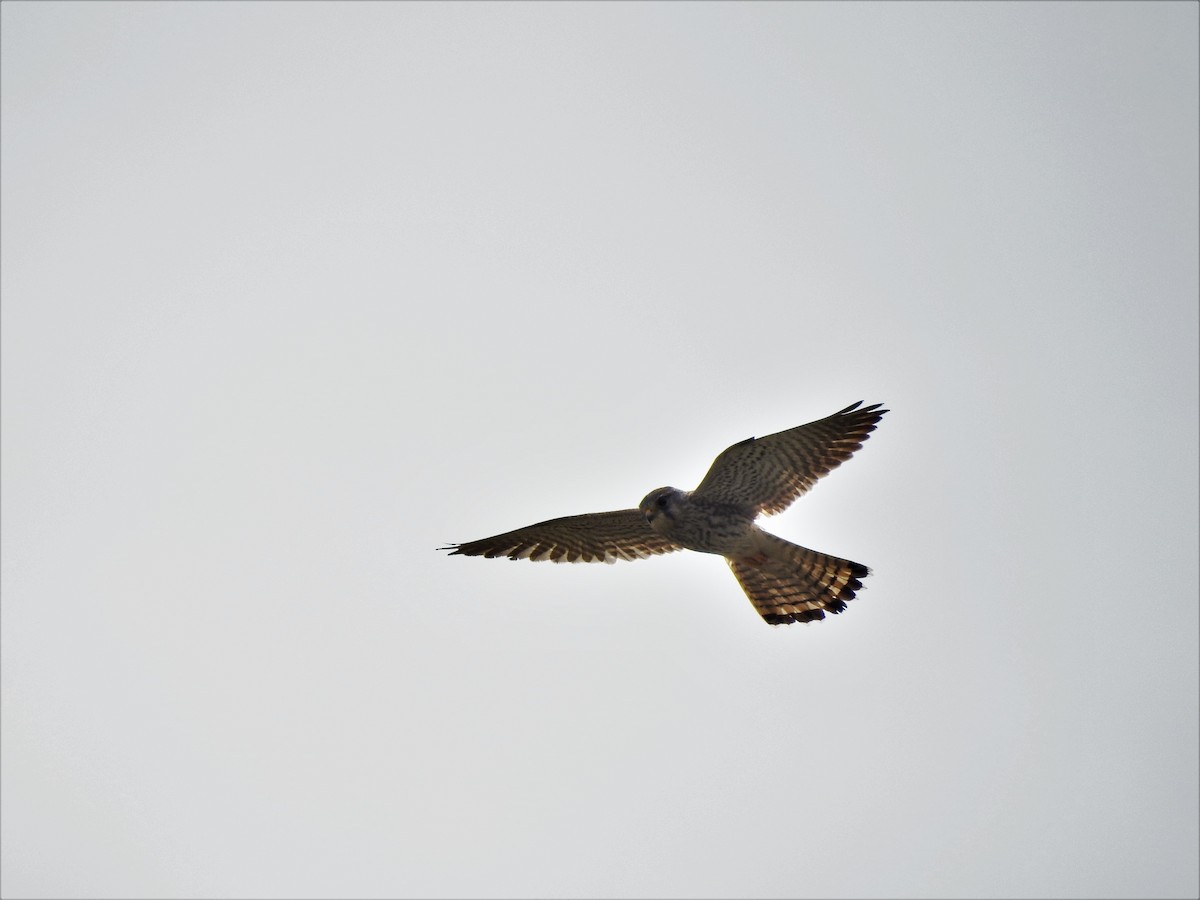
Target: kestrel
[[785, 582]]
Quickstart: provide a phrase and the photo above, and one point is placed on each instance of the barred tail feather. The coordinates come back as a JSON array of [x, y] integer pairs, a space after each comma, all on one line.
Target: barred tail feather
[[789, 583]]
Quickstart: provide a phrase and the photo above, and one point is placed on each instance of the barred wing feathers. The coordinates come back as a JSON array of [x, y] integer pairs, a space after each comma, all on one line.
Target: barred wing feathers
[[594, 537], [768, 473]]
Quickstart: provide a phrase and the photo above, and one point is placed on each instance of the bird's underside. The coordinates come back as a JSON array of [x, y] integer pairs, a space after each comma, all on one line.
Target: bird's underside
[[758, 476]]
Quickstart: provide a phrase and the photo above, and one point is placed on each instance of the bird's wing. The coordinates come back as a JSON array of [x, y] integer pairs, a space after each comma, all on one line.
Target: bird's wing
[[595, 537], [769, 473]]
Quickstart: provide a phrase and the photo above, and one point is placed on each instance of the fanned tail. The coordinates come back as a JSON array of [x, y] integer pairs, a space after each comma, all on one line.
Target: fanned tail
[[789, 583]]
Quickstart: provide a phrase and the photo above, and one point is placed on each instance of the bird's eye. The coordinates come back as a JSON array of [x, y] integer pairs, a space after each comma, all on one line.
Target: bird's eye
[[662, 502]]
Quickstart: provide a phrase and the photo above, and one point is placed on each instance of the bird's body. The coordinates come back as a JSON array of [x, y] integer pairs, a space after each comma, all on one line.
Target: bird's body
[[706, 526], [784, 581]]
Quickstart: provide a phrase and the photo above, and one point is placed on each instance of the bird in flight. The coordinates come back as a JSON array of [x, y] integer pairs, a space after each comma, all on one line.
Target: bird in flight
[[785, 582]]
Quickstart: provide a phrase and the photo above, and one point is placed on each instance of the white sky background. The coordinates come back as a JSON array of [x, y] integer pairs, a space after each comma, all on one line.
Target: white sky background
[[293, 294]]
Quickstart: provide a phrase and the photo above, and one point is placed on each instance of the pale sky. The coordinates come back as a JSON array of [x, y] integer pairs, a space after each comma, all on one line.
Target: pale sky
[[293, 294]]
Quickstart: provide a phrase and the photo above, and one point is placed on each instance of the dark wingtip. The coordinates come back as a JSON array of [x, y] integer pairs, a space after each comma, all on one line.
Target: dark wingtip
[[876, 408], [873, 413]]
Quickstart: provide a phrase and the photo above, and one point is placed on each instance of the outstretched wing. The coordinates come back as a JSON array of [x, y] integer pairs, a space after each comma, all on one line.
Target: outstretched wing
[[595, 537], [769, 473]]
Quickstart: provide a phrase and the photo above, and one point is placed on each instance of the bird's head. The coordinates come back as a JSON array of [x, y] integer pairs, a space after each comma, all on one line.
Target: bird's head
[[660, 506]]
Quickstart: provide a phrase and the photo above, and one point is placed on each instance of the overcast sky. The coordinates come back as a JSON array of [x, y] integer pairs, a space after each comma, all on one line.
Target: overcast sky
[[295, 293]]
